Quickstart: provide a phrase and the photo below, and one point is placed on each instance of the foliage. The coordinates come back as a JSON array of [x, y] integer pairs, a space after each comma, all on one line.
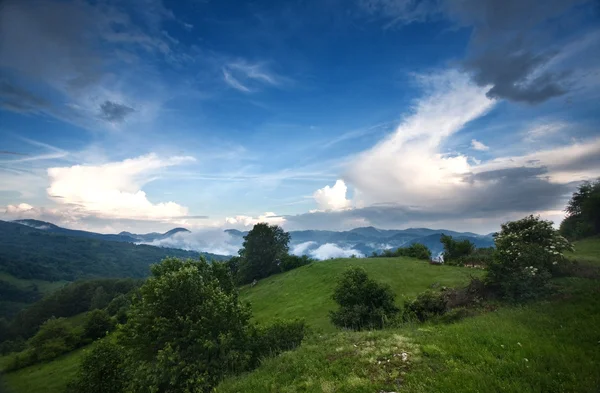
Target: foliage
[[71, 300], [527, 250], [455, 249], [290, 262], [31, 253], [118, 307], [101, 370], [279, 336], [262, 251], [97, 324], [363, 303], [425, 306], [186, 329], [479, 257], [415, 250], [583, 212]]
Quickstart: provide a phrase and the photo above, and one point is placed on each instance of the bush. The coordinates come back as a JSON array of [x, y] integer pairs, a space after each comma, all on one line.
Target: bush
[[426, 305], [417, 250], [455, 249], [479, 257], [364, 303], [54, 338], [97, 324], [186, 330], [277, 337], [290, 262], [527, 251], [101, 370]]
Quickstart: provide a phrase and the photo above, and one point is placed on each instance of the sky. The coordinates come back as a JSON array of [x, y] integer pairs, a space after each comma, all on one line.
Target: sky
[[142, 115]]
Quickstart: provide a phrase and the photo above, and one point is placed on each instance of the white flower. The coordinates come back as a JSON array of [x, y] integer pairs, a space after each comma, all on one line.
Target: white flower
[[555, 263]]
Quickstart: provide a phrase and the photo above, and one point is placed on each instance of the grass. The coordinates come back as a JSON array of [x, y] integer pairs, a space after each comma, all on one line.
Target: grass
[[306, 292], [51, 377], [44, 287], [587, 250], [550, 346]]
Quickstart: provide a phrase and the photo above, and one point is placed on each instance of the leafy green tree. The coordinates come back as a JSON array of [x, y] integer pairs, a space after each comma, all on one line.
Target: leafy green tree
[[186, 329], [363, 303], [583, 212], [101, 370], [455, 249], [416, 250], [527, 251], [263, 249], [97, 324]]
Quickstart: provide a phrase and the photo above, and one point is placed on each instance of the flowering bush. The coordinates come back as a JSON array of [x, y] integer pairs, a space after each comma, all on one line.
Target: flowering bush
[[527, 251]]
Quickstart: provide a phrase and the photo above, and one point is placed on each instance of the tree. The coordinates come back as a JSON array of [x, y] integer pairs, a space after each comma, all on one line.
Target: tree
[[101, 370], [454, 249], [54, 338], [263, 249], [416, 250], [97, 324], [364, 303], [526, 252], [583, 212], [185, 330]]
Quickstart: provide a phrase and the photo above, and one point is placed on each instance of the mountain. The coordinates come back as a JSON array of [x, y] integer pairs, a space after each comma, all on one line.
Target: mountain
[[53, 253], [121, 237]]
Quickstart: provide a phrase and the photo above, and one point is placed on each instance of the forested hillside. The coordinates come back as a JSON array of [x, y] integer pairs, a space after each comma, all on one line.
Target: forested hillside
[[31, 253]]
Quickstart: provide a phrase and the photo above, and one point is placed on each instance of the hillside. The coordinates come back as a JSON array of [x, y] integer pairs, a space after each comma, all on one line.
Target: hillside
[[306, 292]]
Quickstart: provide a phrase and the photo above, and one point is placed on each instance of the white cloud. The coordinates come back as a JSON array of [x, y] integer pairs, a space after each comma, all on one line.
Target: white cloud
[[114, 189], [332, 198], [215, 241], [408, 167], [539, 131], [331, 250], [300, 249], [247, 221], [480, 146], [249, 77]]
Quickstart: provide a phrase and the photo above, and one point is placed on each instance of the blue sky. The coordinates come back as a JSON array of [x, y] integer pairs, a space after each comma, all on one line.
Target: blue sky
[[145, 114]]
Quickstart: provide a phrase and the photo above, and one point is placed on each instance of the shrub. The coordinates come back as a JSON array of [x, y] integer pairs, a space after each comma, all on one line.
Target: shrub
[[185, 330], [290, 262], [277, 337], [479, 257], [364, 303], [101, 370], [425, 306], [54, 338], [416, 250], [455, 249], [527, 251], [97, 324]]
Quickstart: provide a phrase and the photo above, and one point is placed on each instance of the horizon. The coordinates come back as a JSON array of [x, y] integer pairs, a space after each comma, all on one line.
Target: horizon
[[147, 115]]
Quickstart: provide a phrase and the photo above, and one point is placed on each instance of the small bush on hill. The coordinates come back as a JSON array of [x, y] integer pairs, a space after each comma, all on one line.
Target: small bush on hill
[[455, 249], [527, 251], [97, 324], [102, 370], [364, 303], [426, 305], [277, 337], [290, 262], [416, 250], [481, 257]]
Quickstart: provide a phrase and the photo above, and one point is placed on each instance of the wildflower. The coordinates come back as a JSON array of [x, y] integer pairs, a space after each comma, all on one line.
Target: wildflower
[[526, 359], [519, 344]]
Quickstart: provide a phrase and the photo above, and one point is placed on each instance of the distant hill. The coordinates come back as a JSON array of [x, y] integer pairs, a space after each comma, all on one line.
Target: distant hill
[[55, 253], [121, 237], [367, 240]]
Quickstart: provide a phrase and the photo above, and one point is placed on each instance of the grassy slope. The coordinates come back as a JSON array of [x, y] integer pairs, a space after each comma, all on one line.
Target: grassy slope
[[306, 292], [44, 287], [547, 346], [588, 250]]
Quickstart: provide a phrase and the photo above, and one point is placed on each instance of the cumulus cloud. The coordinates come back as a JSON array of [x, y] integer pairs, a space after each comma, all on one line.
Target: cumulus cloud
[[331, 250], [332, 198], [477, 145], [302, 248], [114, 189]]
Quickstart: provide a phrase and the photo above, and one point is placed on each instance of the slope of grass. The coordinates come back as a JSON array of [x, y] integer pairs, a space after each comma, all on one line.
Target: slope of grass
[[550, 346], [44, 287], [587, 250], [306, 292], [51, 377]]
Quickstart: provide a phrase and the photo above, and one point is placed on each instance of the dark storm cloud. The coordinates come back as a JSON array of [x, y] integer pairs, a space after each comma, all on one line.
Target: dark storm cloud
[[496, 193], [114, 112], [507, 48]]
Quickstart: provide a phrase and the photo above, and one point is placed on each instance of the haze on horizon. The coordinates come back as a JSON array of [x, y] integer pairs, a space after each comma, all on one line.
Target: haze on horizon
[[143, 115]]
